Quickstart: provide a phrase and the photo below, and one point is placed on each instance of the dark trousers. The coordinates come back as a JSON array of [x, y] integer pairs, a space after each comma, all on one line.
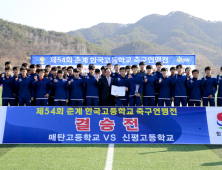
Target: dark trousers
[[33, 103], [120, 102], [76, 102], [162, 101], [219, 101], [210, 100], [177, 101], [41, 102], [51, 101], [23, 101], [108, 102], [149, 101], [60, 103], [5, 102], [133, 100], [194, 103], [156, 99]]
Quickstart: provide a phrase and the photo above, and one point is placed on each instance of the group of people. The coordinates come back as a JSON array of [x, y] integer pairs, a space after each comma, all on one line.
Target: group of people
[[31, 85]]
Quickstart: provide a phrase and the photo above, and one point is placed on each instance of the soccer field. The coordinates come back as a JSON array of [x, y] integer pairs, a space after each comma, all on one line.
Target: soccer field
[[125, 157]]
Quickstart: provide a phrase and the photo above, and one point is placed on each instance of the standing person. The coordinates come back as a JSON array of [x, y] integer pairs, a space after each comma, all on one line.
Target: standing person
[[116, 74], [105, 85], [23, 85], [149, 86], [42, 86], [122, 81], [8, 92], [209, 85], [158, 74], [52, 94], [8, 65], [59, 68], [172, 71], [70, 72], [128, 70], [76, 88], [16, 75], [60, 86], [179, 83], [135, 87], [110, 66], [92, 91], [39, 66], [103, 70], [32, 75], [16, 72], [48, 68], [25, 65], [80, 69], [194, 86], [142, 66], [33, 71], [165, 89], [219, 82], [64, 69], [46, 74], [97, 72], [188, 74]]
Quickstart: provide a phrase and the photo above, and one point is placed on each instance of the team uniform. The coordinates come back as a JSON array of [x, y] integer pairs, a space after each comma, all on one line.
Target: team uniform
[[209, 85], [194, 86], [133, 80], [8, 90], [158, 75], [188, 90], [25, 91], [180, 92], [219, 95], [92, 91], [76, 92], [122, 82], [52, 94], [32, 75], [42, 87], [115, 75], [165, 91], [61, 92], [149, 90]]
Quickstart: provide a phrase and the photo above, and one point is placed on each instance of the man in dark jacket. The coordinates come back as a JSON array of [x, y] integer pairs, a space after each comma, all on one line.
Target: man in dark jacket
[[105, 84]]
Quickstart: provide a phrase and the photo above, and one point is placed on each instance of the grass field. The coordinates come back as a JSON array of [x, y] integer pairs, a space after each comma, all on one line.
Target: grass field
[[38, 157], [125, 157]]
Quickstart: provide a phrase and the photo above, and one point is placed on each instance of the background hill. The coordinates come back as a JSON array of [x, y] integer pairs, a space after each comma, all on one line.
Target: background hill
[[18, 42], [175, 33]]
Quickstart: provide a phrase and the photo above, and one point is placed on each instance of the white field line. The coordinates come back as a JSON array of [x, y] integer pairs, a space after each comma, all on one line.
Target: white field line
[[109, 158]]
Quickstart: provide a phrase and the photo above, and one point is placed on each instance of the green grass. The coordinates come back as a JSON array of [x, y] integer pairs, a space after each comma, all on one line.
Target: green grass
[[165, 157], [125, 157], [52, 157]]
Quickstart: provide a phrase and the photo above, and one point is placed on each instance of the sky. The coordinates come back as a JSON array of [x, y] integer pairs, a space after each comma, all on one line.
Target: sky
[[67, 15]]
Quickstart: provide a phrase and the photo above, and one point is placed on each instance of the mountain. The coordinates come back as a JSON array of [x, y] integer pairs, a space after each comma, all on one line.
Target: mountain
[[175, 33], [18, 42]]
